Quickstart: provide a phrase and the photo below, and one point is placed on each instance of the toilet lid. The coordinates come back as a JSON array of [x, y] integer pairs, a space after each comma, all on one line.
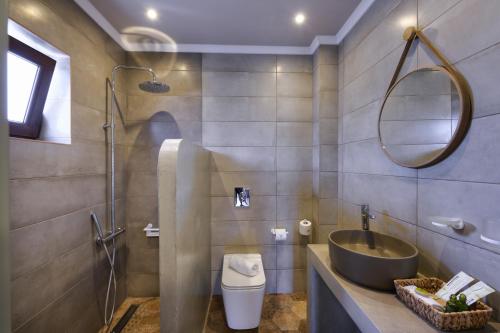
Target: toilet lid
[[231, 279]]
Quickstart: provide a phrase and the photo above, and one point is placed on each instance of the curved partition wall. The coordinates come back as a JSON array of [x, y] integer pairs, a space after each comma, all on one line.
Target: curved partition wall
[[184, 221]]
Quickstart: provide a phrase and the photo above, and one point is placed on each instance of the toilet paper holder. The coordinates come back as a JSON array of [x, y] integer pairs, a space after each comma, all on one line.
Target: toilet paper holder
[[279, 233]]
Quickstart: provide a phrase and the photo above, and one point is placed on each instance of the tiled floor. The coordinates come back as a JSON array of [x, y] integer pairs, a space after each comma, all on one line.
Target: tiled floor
[[280, 313]]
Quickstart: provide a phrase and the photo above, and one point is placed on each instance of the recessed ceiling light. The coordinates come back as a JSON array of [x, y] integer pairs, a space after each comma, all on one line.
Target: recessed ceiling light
[[300, 18], [152, 14]]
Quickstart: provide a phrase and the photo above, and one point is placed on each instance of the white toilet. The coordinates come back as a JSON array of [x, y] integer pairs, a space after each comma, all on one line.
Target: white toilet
[[243, 295]]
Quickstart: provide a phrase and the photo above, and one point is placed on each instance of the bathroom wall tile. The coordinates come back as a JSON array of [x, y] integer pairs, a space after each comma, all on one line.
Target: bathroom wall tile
[[141, 208], [238, 63], [475, 203], [291, 280], [143, 285], [328, 133], [239, 84], [239, 109], [328, 160], [481, 73], [83, 124], [328, 104], [30, 204], [142, 184], [260, 183], [268, 253], [381, 41], [294, 134], [327, 78], [84, 91], [474, 18], [294, 64], [51, 239], [291, 256], [476, 157], [143, 260], [294, 85], [261, 208], [378, 11], [328, 211], [34, 291], [296, 183], [166, 61], [292, 207], [323, 231], [361, 124], [239, 134], [399, 200], [328, 184], [54, 159], [243, 158], [326, 55], [368, 157], [173, 108], [46, 281], [86, 310], [290, 153], [372, 84], [294, 109], [294, 158], [233, 233], [429, 10]]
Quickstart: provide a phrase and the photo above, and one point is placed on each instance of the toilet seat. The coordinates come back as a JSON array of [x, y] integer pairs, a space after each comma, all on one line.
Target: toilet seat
[[234, 280]]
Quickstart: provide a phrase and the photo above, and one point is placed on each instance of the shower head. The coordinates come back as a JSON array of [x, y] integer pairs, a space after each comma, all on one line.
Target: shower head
[[154, 87]]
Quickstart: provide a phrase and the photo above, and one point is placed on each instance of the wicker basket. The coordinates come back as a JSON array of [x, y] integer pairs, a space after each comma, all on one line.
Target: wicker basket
[[476, 318]]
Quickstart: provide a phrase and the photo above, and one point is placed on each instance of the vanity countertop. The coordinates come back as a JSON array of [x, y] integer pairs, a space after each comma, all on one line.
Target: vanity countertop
[[371, 310]]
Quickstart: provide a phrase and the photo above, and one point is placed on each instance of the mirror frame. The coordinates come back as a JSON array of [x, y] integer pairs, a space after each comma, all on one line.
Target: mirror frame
[[464, 119]]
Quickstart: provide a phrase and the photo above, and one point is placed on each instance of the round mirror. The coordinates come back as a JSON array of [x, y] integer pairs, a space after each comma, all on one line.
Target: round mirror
[[424, 117]]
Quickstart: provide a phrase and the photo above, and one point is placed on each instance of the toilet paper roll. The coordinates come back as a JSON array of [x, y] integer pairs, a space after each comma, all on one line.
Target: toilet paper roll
[[305, 227]]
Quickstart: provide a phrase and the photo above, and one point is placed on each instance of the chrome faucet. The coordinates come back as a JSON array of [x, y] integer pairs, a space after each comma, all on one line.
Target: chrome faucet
[[365, 217]]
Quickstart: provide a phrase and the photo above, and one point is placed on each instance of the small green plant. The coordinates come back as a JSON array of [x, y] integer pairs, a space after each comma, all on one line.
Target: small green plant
[[457, 304]]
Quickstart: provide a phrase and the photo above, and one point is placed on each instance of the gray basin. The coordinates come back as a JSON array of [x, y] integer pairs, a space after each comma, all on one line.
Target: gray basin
[[371, 259]]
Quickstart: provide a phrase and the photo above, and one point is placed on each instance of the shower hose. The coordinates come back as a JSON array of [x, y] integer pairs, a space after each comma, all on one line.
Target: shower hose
[[112, 275]]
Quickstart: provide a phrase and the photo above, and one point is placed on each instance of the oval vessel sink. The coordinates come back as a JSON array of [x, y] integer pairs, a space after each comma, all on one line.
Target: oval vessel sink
[[371, 259]]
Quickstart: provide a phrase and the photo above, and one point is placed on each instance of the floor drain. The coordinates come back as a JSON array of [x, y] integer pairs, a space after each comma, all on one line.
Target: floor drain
[[124, 320]]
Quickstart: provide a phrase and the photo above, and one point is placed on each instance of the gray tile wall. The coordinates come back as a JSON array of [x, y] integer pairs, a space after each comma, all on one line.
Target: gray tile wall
[[150, 119], [325, 147], [258, 124], [464, 185], [58, 274]]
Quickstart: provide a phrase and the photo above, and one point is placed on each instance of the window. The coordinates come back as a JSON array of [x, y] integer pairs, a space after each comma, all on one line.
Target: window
[[29, 73]]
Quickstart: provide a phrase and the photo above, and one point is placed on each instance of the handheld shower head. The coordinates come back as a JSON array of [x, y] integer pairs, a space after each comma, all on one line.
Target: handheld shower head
[[154, 87]]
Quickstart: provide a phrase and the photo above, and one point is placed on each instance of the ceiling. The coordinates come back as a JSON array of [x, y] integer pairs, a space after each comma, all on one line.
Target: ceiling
[[221, 23]]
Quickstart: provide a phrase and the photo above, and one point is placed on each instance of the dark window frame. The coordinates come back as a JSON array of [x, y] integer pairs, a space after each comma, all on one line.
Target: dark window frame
[[33, 122]]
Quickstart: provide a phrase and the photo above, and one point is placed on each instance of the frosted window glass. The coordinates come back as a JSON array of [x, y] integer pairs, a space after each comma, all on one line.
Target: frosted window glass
[[21, 78]]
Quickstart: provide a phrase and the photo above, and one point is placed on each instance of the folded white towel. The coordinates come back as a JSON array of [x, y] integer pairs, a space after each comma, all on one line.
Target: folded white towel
[[244, 266]]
